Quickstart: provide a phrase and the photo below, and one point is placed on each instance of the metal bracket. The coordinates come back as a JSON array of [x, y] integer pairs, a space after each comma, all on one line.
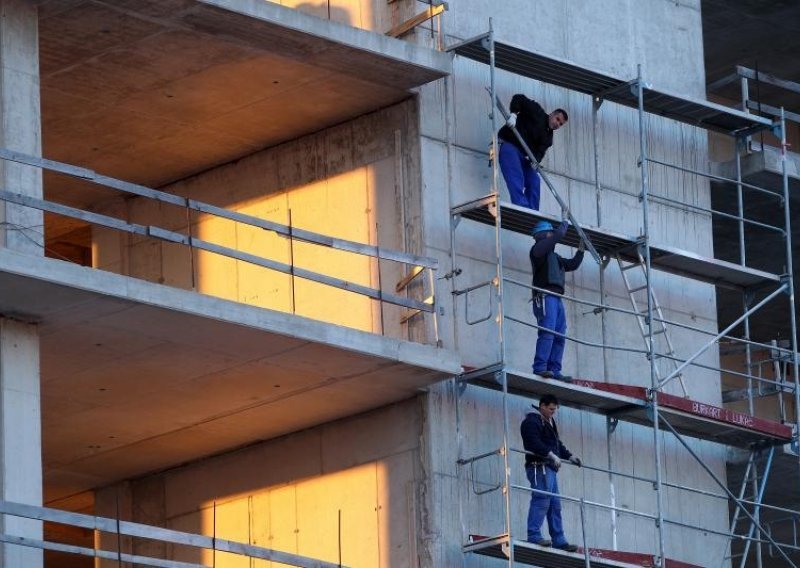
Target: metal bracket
[[485, 44], [611, 424]]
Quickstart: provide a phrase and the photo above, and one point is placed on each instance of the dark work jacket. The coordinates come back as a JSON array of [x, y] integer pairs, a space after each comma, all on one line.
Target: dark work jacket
[[532, 124], [541, 438], [548, 267]]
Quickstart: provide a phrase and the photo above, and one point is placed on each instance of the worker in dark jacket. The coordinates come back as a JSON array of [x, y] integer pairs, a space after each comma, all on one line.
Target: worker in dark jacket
[[536, 128], [544, 453], [549, 270]]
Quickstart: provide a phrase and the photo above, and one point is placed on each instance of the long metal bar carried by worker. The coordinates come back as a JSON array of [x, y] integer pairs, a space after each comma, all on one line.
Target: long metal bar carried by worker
[[536, 165]]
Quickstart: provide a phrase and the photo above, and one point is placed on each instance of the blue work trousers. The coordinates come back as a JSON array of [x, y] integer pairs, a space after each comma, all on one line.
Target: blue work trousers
[[521, 178], [550, 316], [544, 506]]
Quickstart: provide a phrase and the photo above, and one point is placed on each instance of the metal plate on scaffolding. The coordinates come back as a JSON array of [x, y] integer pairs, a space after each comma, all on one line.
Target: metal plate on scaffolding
[[629, 404], [698, 419], [608, 243], [573, 395], [534, 555], [555, 71]]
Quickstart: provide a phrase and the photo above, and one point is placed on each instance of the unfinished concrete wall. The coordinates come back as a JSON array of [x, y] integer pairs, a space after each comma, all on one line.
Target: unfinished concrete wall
[[612, 37], [357, 181], [288, 494]]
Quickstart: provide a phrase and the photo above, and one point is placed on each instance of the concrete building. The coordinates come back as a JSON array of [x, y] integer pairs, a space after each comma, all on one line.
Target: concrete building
[[265, 302]]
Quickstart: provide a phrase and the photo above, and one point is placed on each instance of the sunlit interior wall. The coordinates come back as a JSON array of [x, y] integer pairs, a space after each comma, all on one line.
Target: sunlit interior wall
[[355, 181], [288, 494]]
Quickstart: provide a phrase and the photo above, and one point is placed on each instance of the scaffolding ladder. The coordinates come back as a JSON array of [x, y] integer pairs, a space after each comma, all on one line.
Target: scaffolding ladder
[[650, 331]]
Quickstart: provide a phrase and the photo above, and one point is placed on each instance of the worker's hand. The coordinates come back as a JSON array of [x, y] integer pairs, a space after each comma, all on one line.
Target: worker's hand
[[582, 245], [555, 461], [512, 120], [576, 460]]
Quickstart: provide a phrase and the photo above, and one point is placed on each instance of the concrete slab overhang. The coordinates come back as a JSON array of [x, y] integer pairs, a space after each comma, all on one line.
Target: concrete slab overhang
[[152, 92], [138, 377]]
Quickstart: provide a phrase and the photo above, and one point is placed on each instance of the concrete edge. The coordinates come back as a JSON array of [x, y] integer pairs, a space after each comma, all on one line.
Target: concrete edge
[[437, 61], [289, 325]]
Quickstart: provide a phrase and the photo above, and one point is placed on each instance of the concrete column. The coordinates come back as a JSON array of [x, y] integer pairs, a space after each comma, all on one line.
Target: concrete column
[[20, 437], [21, 229]]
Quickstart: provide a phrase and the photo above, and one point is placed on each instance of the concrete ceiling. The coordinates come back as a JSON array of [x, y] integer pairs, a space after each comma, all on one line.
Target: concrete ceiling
[[153, 91], [138, 377]]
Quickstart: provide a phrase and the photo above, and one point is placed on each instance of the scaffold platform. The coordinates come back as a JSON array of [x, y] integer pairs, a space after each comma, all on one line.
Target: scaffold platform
[[700, 113], [630, 404], [608, 243], [534, 555]]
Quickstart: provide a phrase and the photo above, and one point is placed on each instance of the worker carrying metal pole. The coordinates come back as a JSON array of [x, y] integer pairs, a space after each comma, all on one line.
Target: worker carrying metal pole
[[511, 122]]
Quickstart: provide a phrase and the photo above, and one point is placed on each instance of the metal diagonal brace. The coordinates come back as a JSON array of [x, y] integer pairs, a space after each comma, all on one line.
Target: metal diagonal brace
[[727, 491], [720, 335], [535, 163]]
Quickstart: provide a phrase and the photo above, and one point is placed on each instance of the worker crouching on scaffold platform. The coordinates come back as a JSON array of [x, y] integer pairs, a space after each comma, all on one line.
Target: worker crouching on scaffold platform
[[549, 270], [544, 453]]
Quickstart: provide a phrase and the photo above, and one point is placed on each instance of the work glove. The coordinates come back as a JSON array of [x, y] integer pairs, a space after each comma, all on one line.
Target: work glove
[[576, 460], [555, 461], [512, 120]]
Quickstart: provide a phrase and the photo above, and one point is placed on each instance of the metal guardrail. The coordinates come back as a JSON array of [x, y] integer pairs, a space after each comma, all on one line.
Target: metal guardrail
[[418, 263], [138, 530]]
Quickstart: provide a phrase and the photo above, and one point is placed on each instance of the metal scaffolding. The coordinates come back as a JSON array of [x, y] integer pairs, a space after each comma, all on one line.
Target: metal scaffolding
[[641, 405]]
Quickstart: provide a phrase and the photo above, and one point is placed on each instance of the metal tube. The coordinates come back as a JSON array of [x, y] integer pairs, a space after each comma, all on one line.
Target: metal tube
[[718, 213], [750, 461], [586, 562], [702, 350], [748, 357], [611, 424], [651, 344], [715, 177], [633, 313], [724, 488], [740, 204], [759, 492], [790, 279], [500, 306]]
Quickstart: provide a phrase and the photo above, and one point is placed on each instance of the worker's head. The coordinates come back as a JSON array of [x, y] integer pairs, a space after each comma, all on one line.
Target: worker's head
[[541, 228], [557, 119], [548, 405]]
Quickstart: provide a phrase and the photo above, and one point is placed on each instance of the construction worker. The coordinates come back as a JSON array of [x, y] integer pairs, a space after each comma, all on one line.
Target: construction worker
[[536, 128], [543, 457], [549, 270]]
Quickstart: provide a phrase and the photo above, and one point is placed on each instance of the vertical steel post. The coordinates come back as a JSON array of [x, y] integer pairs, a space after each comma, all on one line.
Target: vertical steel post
[[759, 496], [586, 560], [611, 425], [651, 351], [790, 277], [500, 306]]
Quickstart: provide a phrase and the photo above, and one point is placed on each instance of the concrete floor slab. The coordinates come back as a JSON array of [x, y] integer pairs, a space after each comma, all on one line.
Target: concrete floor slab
[[154, 376]]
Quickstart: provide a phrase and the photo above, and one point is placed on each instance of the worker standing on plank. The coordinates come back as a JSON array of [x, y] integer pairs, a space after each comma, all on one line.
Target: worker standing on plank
[[536, 128], [544, 453], [549, 270]]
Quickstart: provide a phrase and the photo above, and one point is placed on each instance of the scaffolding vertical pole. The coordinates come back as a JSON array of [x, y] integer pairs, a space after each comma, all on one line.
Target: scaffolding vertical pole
[[790, 277], [500, 306], [611, 426], [651, 344], [596, 102], [758, 498]]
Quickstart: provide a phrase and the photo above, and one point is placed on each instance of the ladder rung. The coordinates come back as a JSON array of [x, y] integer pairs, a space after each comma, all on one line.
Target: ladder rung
[[659, 331], [630, 266], [633, 290]]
